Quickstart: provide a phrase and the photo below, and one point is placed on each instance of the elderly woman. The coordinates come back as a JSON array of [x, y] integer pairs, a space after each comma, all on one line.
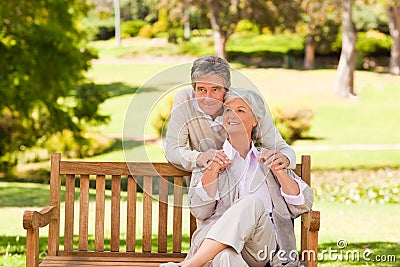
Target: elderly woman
[[195, 134], [244, 212]]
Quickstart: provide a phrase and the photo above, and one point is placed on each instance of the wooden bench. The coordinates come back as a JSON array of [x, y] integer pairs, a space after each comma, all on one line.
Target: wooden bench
[[78, 253]]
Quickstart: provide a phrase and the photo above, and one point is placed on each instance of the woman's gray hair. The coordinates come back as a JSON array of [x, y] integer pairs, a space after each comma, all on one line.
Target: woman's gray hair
[[211, 65], [255, 102]]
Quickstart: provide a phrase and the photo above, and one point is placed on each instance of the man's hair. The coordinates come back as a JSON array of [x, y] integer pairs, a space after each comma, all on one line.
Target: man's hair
[[211, 65]]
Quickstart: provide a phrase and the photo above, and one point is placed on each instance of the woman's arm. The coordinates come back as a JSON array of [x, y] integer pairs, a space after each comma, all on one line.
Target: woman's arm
[[288, 185], [201, 206], [210, 179], [300, 203]]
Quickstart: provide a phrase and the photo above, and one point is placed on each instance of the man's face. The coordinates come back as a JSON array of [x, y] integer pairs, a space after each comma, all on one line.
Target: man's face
[[210, 92]]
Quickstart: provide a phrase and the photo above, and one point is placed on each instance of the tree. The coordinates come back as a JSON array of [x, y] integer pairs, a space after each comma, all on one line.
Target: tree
[[117, 23], [178, 12], [321, 20], [224, 16], [394, 28], [43, 59], [344, 85]]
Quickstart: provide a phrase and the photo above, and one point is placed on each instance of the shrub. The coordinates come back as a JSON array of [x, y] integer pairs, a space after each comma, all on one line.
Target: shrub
[[146, 32], [246, 25], [370, 43], [132, 28], [161, 121], [373, 43], [159, 27], [77, 146], [293, 123]]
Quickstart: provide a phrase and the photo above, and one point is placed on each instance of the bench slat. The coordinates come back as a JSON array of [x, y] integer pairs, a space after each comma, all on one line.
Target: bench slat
[[129, 255], [121, 168], [115, 212], [177, 224], [69, 212], [83, 212], [111, 259], [147, 213], [100, 203], [131, 215], [55, 191], [162, 214]]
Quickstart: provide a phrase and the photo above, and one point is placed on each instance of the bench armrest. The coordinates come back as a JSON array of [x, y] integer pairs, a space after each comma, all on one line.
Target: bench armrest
[[38, 219], [32, 221], [309, 238], [311, 220]]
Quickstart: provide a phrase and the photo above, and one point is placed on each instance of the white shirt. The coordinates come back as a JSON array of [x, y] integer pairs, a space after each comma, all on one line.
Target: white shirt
[[247, 168]]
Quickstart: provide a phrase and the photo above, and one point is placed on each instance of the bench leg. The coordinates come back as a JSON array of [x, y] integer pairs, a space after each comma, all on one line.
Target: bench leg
[[32, 247], [312, 240]]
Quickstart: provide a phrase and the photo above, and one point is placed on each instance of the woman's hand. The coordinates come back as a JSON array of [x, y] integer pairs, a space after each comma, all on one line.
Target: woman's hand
[[205, 159], [273, 159]]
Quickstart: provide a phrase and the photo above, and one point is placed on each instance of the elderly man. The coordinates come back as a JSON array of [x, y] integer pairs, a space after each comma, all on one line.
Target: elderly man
[[195, 133]]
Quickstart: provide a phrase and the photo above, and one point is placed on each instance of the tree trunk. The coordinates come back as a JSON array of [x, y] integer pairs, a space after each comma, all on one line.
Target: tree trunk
[[220, 37], [117, 23], [186, 21], [220, 44], [394, 27], [344, 86], [309, 57]]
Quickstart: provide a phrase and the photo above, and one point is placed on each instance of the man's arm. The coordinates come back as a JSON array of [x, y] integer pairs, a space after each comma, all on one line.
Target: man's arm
[[271, 139]]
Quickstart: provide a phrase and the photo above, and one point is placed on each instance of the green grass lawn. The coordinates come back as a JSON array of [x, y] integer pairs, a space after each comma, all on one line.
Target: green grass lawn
[[361, 225]]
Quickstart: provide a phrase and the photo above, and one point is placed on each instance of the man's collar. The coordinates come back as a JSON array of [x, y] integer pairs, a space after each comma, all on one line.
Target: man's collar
[[218, 119]]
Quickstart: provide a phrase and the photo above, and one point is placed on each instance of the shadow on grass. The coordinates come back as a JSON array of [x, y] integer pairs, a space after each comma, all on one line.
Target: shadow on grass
[[127, 144], [33, 195], [118, 89]]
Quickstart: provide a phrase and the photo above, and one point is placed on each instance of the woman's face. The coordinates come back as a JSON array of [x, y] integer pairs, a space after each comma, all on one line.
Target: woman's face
[[239, 118], [210, 93]]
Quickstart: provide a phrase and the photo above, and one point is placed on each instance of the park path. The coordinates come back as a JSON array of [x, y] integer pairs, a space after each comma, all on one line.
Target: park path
[[147, 59]]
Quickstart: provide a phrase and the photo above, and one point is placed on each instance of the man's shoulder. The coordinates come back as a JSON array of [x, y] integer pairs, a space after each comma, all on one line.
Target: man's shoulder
[[184, 94]]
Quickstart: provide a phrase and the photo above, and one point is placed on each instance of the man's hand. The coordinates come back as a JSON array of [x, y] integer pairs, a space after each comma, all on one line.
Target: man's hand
[[273, 159], [206, 158]]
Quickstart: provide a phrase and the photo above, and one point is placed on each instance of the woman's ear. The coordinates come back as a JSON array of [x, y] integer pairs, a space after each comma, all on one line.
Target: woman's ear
[[255, 122]]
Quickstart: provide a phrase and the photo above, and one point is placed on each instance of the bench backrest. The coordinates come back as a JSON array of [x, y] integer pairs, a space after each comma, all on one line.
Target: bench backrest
[[145, 176]]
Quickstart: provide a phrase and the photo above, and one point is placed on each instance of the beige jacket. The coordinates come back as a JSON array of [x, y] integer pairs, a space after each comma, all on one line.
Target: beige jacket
[[208, 212], [189, 133]]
